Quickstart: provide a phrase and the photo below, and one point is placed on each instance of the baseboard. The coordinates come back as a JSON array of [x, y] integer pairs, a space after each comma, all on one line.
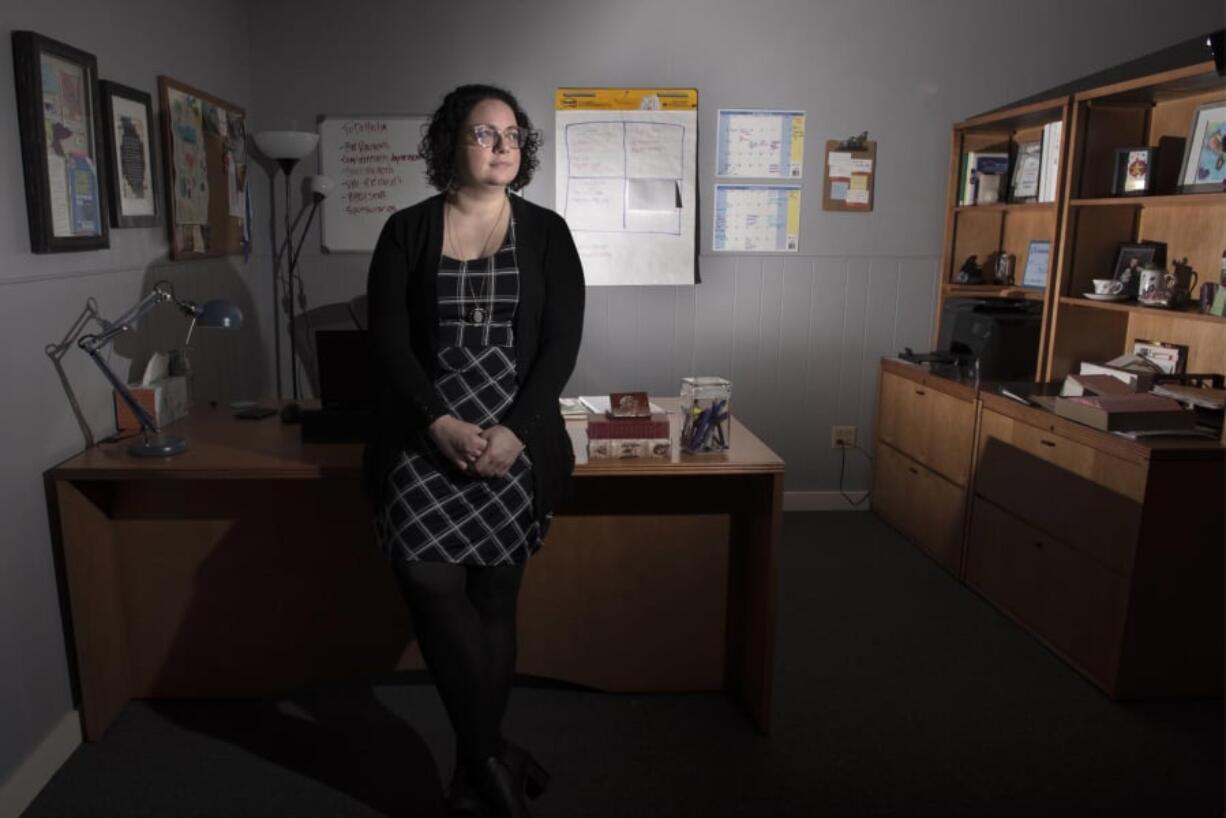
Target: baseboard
[[823, 501], [20, 788]]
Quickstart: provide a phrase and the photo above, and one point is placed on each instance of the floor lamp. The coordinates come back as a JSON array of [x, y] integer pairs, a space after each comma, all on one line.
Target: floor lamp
[[287, 148]]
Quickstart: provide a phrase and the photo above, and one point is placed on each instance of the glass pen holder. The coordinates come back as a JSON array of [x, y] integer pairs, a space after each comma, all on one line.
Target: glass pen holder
[[706, 418]]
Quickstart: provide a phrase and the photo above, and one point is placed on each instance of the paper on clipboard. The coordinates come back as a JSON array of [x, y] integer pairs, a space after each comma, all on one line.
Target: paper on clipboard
[[848, 185]]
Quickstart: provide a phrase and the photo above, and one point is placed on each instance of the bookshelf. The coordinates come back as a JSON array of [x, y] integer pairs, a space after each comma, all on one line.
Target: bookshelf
[[1080, 536], [983, 229], [1134, 113]]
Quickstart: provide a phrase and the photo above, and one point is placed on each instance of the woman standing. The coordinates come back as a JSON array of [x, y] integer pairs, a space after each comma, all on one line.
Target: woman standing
[[476, 312]]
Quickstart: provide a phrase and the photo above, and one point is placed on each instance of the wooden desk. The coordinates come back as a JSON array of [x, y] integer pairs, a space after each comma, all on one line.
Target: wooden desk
[[246, 566]]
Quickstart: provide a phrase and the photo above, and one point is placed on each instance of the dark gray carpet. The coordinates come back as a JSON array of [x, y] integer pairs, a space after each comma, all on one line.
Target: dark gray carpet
[[898, 693]]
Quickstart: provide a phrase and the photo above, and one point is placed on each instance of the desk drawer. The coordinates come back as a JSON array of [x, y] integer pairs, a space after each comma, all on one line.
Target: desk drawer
[[1065, 597], [925, 507], [927, 425], [1121, 476]]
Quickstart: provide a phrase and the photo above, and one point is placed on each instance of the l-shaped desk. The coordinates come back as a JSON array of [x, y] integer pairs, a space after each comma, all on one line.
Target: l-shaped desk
[[246, 567]]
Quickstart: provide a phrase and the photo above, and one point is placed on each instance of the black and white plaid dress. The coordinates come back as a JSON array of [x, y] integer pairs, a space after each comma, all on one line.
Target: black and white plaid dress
[[432, 511]]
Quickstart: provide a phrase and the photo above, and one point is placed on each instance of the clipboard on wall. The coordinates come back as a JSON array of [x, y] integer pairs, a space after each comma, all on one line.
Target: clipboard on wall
[[848, 173]]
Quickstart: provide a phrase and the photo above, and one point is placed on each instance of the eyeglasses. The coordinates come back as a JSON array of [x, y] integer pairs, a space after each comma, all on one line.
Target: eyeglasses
[[487, 136]]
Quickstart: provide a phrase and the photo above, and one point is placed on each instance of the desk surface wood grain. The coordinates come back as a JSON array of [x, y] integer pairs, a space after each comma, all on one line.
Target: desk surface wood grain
[[224, 448]]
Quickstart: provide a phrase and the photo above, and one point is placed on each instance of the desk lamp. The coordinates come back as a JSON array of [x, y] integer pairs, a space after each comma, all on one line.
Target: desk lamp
[[218, 313], [287, 148]]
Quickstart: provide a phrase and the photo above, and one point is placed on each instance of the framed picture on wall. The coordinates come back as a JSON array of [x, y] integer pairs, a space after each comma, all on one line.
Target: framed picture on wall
[[1204, 159], [57, 92], [131, 169]]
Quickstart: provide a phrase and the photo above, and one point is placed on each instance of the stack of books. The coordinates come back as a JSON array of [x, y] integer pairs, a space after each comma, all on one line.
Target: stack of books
[[618, 437], [981, 179], [1127, 413]]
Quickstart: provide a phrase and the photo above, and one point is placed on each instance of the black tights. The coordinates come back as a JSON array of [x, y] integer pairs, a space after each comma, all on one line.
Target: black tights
[[464, 618]]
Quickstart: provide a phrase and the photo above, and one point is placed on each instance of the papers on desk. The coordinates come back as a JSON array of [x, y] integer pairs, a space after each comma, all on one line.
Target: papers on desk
[[572, 408], [599, 404]]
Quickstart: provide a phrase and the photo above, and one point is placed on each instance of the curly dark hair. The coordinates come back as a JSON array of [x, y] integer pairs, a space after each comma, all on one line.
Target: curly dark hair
[[442, 137]]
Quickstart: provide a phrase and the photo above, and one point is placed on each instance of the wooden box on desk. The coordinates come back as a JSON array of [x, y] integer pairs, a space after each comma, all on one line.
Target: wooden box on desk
[[165, 400]]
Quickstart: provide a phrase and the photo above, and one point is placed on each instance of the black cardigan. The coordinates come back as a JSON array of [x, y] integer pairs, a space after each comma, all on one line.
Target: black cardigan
[[403, 332]]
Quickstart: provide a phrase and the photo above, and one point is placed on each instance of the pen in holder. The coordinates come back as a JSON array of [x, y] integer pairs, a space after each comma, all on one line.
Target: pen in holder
[[706, 418]]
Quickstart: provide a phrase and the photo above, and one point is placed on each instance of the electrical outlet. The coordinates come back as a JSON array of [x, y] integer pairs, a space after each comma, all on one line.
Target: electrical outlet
[[841, 436]]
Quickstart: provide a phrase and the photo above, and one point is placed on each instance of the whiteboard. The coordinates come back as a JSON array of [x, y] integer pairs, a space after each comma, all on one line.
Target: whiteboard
[[625, 183], [377, 170]]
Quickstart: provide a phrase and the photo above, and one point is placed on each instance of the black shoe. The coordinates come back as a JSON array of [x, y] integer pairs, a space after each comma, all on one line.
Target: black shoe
[[463, 800], [531, 777], [500, 789]]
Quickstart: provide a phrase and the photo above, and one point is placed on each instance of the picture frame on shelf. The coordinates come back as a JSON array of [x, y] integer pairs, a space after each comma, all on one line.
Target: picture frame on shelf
[[57, 97], [1133, 172], [1130, 258], [1024, 184], [1204, 159], [1038, 260], [131, 156]]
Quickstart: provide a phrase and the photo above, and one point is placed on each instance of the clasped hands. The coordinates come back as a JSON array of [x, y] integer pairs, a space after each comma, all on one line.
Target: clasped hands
[[473, 450]]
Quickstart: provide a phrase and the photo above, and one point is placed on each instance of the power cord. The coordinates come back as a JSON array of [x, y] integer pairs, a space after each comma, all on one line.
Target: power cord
[[842, 468]]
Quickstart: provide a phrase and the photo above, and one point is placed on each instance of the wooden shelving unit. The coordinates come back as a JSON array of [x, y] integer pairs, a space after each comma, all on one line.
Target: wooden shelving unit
[[980, 230], [1084, 538], [1191, 225]]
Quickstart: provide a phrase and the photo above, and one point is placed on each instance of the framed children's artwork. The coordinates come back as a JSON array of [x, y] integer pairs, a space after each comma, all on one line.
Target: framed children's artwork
[[1204, 158], [1038, 259], [57, 93], [131, 167]]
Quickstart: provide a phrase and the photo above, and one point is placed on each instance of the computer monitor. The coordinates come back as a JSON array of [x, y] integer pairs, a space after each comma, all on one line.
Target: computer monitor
[[346, 373]]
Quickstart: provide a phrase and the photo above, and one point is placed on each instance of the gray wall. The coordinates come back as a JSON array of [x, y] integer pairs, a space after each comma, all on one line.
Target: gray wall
[[798, 335], [40, 295]]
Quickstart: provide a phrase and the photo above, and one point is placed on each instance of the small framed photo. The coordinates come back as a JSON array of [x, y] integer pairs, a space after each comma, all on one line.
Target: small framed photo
[[131, 166], [1133, 171], [1038, 259], [1129, 260], [57, 93], [1024, 184], [1204, 158]]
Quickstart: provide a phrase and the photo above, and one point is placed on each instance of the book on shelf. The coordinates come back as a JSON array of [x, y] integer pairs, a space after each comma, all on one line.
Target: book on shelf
[[1126, 413], [1049, 171], [620, 448], [975, 163]]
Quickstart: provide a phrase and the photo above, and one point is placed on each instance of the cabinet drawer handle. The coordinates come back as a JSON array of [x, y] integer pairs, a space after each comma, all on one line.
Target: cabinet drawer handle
[[1038, 544], [920, 392], [1046, 442], [912, 469]]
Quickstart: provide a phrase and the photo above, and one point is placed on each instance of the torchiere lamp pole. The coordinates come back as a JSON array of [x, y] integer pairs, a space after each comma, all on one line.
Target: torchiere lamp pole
[[287, 148]]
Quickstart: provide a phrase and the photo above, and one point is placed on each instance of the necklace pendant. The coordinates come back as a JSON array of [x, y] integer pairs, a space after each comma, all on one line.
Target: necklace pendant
[[476, 315]]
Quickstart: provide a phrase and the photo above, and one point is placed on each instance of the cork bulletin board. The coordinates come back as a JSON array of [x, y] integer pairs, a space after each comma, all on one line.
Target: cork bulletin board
[[205, 155]]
